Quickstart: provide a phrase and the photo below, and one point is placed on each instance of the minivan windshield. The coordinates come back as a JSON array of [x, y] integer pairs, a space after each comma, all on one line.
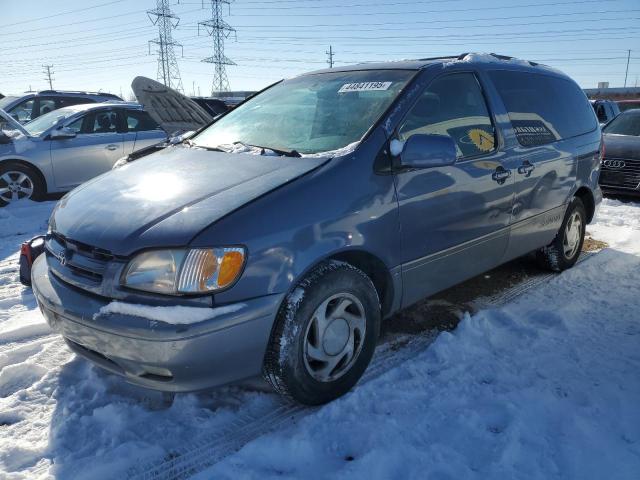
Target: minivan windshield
[[309, 114], [625, 124], [48, 120]]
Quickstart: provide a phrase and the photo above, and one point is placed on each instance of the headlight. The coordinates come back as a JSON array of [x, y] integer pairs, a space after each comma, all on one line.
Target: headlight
[[175, 271]]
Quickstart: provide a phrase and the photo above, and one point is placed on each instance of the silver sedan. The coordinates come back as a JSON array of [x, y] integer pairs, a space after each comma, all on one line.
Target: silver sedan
[[64, 148]]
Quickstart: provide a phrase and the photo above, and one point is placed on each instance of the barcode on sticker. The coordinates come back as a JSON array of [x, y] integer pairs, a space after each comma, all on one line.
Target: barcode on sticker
[[364, 86]]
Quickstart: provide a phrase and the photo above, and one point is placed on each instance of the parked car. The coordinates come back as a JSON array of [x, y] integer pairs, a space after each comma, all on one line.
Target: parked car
[[606, 110], [625, 105], [213, 106], [277, 239], [621, 163], [31, 105], [66, 147]]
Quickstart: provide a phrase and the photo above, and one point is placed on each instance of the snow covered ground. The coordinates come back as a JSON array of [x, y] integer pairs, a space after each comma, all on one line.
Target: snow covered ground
[[543, 387]]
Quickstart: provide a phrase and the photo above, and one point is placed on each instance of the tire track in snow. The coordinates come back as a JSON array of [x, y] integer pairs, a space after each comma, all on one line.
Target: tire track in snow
[[209, 449]]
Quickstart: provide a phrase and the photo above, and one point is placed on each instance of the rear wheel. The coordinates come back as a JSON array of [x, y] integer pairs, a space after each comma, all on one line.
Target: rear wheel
[[19, 182], [325, 335], [565, 249]]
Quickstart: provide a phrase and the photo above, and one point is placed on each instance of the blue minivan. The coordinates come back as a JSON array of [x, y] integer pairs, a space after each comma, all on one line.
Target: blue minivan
[[278, 238]]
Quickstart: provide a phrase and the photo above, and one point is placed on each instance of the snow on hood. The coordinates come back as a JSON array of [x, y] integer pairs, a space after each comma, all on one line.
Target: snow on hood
[[174, 112]]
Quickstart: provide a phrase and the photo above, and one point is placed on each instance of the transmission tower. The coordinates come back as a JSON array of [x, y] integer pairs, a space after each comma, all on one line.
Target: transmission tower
[[219, 30], [168, 72]]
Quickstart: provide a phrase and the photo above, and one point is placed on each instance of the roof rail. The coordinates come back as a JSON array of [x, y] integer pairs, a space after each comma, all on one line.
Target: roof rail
[[436, 58], [104, 94]]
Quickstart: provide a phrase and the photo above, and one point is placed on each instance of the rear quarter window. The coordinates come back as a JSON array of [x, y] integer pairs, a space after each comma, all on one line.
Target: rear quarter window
[[543, 108]]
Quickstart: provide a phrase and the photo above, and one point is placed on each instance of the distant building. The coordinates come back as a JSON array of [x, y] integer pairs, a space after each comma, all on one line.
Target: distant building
[[232, 98], [628, 93]]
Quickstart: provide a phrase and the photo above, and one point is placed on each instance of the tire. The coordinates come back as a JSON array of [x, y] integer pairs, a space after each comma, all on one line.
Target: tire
[[565, 249], [19, 182], [324, 335]]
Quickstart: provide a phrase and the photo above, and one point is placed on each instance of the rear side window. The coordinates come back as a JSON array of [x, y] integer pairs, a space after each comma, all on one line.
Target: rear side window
[[139, 121], [543, 108], [453, 105]]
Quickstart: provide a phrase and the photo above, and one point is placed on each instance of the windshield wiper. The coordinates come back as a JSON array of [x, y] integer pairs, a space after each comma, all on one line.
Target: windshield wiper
[[191, 143], [279, 151]]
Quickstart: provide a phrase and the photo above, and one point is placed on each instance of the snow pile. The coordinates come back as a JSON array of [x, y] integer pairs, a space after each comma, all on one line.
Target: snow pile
[[177, 315], [547, 387], [544, 388]]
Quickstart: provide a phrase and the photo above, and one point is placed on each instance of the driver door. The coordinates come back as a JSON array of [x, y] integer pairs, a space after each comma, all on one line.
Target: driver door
[[94, 150]]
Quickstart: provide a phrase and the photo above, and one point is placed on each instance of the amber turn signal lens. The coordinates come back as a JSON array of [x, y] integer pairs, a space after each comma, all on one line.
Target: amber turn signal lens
[[230, 267]]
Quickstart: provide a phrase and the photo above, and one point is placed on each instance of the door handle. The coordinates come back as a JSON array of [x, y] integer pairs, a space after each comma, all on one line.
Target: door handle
[[501, 175], [526, 168], [111, 147]]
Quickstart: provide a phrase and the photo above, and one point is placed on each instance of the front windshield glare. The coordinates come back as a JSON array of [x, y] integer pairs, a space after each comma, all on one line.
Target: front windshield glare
[[625, 124], [6, 101], [309, 114], [48, 120]]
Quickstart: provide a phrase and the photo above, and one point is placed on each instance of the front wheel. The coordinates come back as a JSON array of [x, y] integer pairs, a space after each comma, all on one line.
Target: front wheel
[[565, 249], [19, 182], [325, 334]]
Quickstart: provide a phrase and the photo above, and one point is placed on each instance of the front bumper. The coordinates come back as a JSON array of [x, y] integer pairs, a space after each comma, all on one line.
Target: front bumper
[[229, 346]]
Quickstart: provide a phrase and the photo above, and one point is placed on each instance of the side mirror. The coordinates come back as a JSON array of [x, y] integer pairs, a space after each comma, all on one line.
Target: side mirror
[[4, 138], [426, 151], [62, 133]]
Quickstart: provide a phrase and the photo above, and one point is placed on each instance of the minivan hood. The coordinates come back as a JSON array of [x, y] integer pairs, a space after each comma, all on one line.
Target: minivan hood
[[167, 198]]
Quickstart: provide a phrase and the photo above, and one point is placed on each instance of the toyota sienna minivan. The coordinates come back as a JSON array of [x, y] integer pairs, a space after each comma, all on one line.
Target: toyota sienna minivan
[[278, 238]]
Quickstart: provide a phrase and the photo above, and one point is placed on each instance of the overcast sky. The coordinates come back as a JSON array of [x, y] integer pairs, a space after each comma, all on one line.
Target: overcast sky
[[102, 45]]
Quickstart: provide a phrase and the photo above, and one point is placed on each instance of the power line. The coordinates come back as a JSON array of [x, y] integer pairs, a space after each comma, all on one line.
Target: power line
[[60, 14], [219, 30], [168, 71]]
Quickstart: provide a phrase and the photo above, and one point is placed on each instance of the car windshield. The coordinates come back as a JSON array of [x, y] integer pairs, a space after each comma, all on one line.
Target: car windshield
[[625, 124], [6, 101], [309, 114], [48, 120]]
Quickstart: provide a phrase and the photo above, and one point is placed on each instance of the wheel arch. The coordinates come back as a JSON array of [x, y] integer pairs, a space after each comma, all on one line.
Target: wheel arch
[[588, 200], [29, 165]]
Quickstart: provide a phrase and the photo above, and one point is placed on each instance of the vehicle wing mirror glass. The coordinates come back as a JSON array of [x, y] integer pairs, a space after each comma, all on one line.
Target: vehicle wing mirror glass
[[4, 138], [425, 151], [62, 133]]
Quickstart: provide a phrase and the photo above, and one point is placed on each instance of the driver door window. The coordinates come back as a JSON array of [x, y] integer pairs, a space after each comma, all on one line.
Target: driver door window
[[453, 105]]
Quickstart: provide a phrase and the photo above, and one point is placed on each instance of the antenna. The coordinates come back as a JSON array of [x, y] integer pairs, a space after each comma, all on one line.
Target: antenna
[[168, 72]]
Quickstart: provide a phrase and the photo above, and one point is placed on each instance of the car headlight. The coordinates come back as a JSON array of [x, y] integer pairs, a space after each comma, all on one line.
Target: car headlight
[[176, 271]]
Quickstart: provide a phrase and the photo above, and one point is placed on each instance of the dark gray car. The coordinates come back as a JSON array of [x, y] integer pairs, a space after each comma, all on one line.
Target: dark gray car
[[621, 163], [278, 238]]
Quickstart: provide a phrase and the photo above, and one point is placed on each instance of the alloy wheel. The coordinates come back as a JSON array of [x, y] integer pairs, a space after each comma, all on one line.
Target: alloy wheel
[[15, 185]]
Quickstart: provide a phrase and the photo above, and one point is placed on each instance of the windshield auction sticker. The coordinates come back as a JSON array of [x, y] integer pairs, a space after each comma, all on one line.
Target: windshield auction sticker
[[364, 86]]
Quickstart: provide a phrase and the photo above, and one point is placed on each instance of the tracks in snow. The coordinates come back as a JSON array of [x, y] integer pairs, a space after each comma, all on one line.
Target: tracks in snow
[[209, 449]]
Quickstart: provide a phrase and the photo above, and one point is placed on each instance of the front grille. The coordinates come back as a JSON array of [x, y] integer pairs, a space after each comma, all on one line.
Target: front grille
[[625, 177], [77, 263]]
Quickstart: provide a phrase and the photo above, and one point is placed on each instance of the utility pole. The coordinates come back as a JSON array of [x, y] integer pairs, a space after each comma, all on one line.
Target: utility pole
[[168, 72], [627, 71], [219, 30], [48, 73], [330, 53]]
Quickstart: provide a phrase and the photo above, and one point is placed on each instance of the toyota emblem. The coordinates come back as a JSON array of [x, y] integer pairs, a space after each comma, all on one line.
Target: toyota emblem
[[614, 163]]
